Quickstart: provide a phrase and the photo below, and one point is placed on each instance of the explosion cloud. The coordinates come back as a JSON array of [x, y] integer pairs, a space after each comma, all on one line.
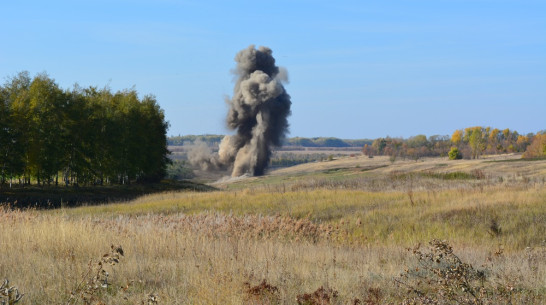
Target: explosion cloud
[[258, 111]]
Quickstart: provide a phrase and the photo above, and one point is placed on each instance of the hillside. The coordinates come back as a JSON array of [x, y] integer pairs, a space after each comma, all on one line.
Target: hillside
[[378, 173], [351, 229]]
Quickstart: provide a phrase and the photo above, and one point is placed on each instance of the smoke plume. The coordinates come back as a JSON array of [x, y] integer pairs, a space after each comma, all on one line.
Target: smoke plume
[[258, 112]]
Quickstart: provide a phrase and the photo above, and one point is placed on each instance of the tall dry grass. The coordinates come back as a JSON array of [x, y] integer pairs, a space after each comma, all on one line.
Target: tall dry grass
[[201, 248], [401, 218]]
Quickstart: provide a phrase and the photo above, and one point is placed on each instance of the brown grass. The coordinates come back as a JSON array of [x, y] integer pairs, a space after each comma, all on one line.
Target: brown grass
[[201, 248]]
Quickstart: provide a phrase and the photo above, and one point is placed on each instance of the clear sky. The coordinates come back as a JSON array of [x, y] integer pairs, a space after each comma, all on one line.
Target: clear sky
[[357, 69]]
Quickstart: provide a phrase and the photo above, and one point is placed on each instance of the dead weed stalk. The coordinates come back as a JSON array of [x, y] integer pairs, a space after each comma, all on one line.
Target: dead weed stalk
[[9, 295], [95, 280]]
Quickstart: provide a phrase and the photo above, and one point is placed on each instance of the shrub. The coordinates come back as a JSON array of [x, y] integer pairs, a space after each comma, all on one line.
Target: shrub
[[321, 296], [441, 277], [455, 154], [262, 294]]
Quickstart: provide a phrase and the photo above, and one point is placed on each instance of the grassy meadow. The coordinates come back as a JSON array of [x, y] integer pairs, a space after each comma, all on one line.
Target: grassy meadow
[[348, 231]]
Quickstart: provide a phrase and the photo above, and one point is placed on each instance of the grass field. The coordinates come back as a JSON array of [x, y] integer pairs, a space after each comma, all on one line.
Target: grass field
[[350, 226]]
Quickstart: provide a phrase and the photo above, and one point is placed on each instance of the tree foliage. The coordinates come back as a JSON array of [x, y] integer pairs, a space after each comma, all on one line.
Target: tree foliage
[[472, 142], [455, 154], [79, 136], [537, 149], [413, 148]]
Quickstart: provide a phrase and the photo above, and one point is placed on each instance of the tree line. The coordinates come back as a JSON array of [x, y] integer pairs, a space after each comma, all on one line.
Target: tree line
[[470, 143], [214, 140], [413, 148], [80, 135], [475, 141]]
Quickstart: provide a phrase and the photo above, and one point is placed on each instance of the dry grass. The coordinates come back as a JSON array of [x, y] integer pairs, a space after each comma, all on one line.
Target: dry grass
[[392, 218], [494, 164], [380, 175], [219, 247], [206, 257]]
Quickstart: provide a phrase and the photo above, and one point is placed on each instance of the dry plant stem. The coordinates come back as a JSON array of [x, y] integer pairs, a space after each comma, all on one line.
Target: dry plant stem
[[95, 278], [9, 294]]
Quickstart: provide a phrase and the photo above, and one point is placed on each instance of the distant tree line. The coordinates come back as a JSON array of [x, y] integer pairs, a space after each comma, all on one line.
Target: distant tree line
[[214, 140], [476, 141], [78, 136], [413, 148], [470, 143], [325, 142]]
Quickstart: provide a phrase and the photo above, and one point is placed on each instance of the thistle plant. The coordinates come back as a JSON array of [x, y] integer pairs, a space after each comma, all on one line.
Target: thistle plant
[[96, 278]]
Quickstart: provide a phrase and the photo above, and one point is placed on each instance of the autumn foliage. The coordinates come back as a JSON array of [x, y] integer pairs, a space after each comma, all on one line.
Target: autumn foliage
[[537, 148], [471, 143]]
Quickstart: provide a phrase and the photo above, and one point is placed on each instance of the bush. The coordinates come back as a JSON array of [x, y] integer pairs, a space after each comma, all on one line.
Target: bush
[[455, 154], [441, 277]]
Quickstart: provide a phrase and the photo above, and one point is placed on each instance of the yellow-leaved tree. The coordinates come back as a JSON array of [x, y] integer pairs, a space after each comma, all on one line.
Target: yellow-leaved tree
[[537, 148], [457, 137]]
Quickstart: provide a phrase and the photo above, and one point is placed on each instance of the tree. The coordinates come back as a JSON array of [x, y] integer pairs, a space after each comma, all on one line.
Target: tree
[[379, 145], [367, 150], [457, 137], [494, 141], [476, 141], [16, 101], [418, 141], [5, 137], [155, 159], [522, 142], [440, 144], [537, 148], [83, 135], [455, 154], [47, 105]]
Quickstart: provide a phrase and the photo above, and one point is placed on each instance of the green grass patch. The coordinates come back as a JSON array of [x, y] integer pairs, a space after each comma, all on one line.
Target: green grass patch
[[450, 175]]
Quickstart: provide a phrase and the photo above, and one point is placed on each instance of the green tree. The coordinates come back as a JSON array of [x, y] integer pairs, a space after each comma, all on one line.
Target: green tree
[[455, 154], [418, 141], [476, 141], [80, 151], [155, 160], [82, 135], [47, 105], [6, 137], [16, 99]]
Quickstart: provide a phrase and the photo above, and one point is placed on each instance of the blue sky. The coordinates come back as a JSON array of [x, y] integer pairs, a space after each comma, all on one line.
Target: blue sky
[[357, 69]]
